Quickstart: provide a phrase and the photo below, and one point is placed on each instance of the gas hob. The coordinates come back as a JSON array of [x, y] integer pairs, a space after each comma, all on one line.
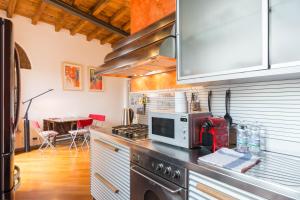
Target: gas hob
[[132, 132]]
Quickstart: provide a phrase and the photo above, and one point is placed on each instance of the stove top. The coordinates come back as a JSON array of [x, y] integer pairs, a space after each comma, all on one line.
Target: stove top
[[132, 132]]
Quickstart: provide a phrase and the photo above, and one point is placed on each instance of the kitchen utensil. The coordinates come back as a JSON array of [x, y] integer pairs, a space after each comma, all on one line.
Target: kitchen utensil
[[195, 103], [209, 100], [227, 106], [140, 111], [128, 115]]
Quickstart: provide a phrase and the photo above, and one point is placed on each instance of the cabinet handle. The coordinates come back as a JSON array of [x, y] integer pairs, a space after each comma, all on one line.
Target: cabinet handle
[[213, 192], [106, 183], [107, 146]]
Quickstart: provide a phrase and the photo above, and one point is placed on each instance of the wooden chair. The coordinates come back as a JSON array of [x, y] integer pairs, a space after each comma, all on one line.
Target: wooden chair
[[82, 130], [46, 136]]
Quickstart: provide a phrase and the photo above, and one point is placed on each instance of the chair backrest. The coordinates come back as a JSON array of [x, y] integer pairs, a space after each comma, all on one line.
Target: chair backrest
[[100, 118], [84, 123], [36, 125]]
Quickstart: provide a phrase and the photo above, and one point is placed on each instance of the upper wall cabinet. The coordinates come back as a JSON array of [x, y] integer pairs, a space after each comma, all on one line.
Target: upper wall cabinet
[[221, 37], [284, 33]]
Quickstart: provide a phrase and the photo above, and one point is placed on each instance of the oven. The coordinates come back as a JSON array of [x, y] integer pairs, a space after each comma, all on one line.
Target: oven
[[152, 177], [148, 186], [179, 129]]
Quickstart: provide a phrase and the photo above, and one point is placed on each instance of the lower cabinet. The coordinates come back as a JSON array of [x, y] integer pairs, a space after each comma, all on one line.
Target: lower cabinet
[[205, 188], [110, 169]]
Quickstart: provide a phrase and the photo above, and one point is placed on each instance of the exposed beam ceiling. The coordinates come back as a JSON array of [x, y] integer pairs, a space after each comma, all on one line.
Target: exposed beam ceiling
[[88, 17], [119, 14], [99, 6], [60, 23], [94, 34], [39, 12], [95, 11], [76, 2], [109, 38], [126, 27], [106, 20], [11, 8], [78, 27]]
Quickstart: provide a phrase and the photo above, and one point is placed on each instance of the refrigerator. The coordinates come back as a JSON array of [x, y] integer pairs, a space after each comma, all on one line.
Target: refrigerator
[[9, 113]]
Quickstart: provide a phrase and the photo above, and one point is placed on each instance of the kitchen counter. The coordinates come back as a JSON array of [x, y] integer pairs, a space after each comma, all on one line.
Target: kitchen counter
[[257, 181]]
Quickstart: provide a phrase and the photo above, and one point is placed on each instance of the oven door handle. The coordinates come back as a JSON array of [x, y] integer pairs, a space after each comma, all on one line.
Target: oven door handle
[[157, 183]]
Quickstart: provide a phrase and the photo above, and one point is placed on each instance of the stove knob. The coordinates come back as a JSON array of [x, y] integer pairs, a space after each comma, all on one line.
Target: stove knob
[[159, 167], [168, 171], [176, 174]]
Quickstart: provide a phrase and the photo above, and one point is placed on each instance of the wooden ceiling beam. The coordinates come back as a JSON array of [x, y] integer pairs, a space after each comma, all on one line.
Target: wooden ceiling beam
[[126, 27], [94, 34], [78, 27], [95, 11], [12, 4], [39, 12], [76, 2], [100, 6], [88, 17], [119, 14], [60, 22], [109, 38]]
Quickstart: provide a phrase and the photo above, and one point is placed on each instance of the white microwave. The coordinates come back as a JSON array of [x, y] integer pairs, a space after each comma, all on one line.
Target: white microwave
[[179, 129]]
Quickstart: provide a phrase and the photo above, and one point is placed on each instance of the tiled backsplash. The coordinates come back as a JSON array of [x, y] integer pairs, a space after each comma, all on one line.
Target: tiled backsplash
[[275, 104]]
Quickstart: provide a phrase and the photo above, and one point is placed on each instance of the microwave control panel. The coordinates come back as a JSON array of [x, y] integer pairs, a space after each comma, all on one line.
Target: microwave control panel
[[184, 128]]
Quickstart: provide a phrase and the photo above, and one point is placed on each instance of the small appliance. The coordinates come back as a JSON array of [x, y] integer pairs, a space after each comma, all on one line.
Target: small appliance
[[214, 133], [179, 129], [128, 115]]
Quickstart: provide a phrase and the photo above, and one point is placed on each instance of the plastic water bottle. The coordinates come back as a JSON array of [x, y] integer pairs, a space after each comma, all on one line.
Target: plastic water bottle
[[242, 139], [254, 139]]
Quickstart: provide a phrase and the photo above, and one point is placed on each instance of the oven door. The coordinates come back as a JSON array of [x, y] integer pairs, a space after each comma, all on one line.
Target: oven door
[[148, 186]]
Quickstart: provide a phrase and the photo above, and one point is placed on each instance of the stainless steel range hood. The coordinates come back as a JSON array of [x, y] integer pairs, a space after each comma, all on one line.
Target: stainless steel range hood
[[149, 51]]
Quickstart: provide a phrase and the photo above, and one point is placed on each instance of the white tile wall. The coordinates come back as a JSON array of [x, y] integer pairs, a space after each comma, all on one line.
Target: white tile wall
[[274, 104]]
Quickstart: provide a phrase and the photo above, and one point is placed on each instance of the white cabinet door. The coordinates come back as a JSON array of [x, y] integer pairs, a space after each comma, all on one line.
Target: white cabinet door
[[219, 37], [284, 33], [110, 169], [205, 188]]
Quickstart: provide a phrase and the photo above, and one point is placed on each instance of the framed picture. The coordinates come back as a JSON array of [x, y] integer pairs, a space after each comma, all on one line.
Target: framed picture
[[72, 76], [95, 82]]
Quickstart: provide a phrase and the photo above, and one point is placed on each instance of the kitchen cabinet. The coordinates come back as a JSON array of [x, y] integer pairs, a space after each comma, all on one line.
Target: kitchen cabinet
[[220, 37], [110, 169], [284, 33], [205, 188]]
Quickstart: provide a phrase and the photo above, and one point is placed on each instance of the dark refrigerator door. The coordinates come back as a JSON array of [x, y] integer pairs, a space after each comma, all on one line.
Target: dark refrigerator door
[[9, 101]]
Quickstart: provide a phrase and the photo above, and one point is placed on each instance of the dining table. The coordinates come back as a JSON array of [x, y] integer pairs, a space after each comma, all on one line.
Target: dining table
[[62, 126]]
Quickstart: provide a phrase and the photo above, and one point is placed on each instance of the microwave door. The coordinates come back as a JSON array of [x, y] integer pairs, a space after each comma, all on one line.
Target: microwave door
[[163, 127]]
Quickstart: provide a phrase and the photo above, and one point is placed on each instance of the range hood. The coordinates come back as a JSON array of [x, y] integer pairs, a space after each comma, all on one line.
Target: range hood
[[146, 52]]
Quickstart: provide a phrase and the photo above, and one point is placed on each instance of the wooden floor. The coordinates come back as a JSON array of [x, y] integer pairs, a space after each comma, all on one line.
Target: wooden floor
[[54, 175]]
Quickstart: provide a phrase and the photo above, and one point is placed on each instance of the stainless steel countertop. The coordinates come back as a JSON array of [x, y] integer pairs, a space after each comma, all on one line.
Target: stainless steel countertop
[[253, 181]]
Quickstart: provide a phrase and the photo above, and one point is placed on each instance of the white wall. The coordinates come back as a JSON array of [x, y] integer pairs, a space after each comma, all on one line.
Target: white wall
[[274, 105], [47, 50]]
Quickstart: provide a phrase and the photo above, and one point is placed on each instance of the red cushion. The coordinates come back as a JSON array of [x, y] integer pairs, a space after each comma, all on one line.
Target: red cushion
[[83, 123], [97, 117]]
